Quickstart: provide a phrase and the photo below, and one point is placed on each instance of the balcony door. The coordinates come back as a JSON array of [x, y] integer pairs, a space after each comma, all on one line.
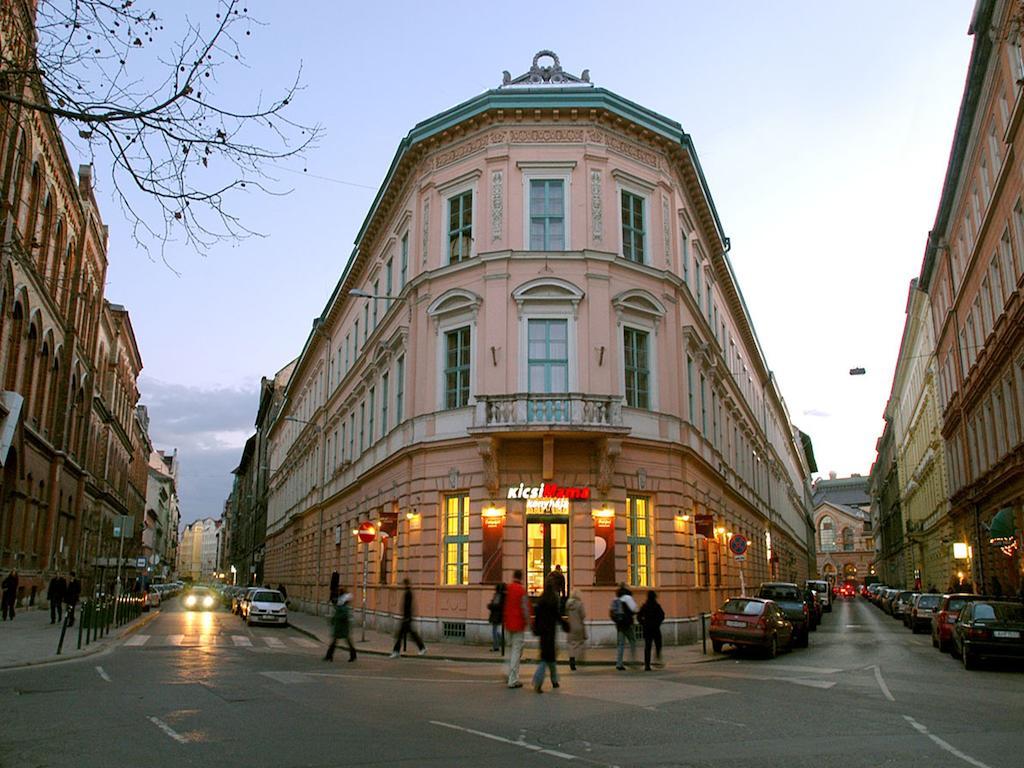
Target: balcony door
[[548, 369]]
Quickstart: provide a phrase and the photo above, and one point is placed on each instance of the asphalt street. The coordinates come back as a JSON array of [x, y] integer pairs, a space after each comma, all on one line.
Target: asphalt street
[[194, 689]]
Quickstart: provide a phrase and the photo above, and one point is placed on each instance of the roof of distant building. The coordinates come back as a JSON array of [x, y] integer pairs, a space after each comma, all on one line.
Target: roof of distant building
[[849, 491]]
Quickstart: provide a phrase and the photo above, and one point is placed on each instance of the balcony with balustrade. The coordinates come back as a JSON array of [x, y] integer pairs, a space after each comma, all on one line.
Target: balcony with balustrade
[[570, 413]]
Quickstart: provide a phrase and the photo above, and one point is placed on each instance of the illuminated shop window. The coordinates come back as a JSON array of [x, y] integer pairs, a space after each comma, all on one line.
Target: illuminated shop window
[[638, 540], [456, 539]]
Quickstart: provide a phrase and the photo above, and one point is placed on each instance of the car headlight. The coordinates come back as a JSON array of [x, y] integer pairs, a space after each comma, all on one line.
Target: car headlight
[[190, 600], [207, 602]]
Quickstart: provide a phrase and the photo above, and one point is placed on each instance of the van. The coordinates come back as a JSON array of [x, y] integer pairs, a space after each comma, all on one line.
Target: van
[[824, 591]]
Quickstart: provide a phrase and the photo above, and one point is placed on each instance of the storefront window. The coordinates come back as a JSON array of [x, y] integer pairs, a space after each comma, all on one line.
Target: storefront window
[[456, 539], [638, 540]]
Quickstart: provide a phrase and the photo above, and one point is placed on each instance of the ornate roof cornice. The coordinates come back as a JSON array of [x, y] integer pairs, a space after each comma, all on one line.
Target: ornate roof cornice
[[544, 75]]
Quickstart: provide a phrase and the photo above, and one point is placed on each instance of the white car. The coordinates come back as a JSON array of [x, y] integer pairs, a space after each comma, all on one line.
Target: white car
[[266, 606]]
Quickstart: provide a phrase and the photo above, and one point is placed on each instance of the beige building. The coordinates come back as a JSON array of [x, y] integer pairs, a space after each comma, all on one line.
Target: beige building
[[844, 543], [538, 355]]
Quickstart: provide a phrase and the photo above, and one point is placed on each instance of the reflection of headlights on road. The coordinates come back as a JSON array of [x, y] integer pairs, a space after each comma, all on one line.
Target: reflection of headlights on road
[[190, 600], [207, 602]]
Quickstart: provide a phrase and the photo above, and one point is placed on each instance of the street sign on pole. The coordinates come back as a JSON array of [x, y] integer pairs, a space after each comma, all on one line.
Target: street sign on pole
[[367, 533]]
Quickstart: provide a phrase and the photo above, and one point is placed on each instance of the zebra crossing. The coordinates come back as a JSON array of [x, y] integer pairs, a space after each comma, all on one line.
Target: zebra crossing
[[244, 642]]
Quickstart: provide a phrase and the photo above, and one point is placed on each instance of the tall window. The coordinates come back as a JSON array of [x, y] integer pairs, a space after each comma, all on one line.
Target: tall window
[[384, 404], [827, 533], [847, 539], [366, 323], [548, 356], [637, 368], [355, 342], [400, 390], [638, 540], [632, 227], [685, 243], [351, 436], [703, 408], [456, 539], [376, 292], [347, 362], [362, 426], [388, 281], [403, 276], [373, 410], [689, 385], [343, 441], [456, 369], [460, 227], [547, 215], [700, 295]]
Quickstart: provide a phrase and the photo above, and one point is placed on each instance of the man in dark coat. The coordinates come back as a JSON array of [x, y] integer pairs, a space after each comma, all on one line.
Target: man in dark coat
[[547, 618], [55, 594], [71, 597], [10, 595], [651, 616], [406, 628]]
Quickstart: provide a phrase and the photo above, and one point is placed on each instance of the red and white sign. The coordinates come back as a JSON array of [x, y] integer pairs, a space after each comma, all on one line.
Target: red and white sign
[[367, 532], [548, 491]]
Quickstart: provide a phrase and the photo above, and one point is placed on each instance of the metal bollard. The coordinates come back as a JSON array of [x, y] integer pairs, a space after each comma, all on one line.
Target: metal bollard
[[704, 633], [79, 627]]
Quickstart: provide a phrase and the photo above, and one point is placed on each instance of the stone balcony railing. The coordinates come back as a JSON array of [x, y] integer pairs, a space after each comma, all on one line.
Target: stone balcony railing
[[570, 411]]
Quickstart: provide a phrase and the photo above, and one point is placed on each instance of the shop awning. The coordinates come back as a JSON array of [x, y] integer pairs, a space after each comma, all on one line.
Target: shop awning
[[1003, 525]]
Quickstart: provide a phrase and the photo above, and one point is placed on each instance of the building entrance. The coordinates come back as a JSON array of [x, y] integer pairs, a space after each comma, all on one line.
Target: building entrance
[[547, 545]]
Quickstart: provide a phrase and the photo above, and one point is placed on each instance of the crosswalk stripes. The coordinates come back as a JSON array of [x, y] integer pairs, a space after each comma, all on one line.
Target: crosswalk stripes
[[237, 641]]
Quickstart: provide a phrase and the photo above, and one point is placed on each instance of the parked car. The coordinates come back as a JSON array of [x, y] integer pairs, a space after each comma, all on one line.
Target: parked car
[[239, 599], [901, 604], [150, 599], [243, 605], [888, 596], [922, 610], [946, 616], [824, 592], [790, 599], [989, 629], [751, 622], [814, 608], [266, 606], [847, 592], [200, 599]]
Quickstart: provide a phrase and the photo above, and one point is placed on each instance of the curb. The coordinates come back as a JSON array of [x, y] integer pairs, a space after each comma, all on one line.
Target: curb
[[90, 650]]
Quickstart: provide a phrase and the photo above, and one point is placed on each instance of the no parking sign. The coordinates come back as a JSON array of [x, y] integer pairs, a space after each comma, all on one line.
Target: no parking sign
[[738, 546]]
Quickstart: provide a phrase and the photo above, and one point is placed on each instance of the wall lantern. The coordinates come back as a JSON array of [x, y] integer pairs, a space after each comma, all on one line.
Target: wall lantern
[[682, 516], [491, 511], [604, 512], [960, 550]]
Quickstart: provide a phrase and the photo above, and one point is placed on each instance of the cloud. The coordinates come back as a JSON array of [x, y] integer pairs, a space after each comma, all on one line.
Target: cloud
[[818, 414], [208, 427]]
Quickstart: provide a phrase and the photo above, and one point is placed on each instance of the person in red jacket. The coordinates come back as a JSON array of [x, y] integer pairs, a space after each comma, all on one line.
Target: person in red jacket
[[517, 616]]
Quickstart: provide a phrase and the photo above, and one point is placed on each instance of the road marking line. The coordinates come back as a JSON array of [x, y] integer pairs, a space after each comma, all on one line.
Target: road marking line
[[137, 640], [532, 747], [274, 642], [944, 744], [304, 642], [401, 679], [168, 730], [103, 674], [726, 722], [241, 640], [881, 683], [175, 639]]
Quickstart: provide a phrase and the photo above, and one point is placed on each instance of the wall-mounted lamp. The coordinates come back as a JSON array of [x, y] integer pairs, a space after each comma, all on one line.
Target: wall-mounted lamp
[[494, 355], [600, 356], [411, 515], [719, 530], [682, 517], [961, 551], [491, 511], [603, 512]]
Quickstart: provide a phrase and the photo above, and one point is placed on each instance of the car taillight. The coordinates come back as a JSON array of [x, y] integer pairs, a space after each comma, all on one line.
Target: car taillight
[[716, 618], [805, 608], [762, 623], [977, 633]]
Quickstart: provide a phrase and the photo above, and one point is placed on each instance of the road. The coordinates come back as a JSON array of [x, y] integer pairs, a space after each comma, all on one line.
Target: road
[[205, 690]]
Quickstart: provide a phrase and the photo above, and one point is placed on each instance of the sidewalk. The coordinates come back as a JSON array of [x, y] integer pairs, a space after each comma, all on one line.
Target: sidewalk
[[31, 639], [377, 643]]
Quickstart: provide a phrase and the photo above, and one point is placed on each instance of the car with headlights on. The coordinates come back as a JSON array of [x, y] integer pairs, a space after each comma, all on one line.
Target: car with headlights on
[[266, 606], [200, 599]]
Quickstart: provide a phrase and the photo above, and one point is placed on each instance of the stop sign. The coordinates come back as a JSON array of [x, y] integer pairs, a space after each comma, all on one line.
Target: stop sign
[[367, 532]]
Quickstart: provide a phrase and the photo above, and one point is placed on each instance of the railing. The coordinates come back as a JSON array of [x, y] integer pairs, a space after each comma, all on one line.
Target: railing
[[568, 409], [96, 617]]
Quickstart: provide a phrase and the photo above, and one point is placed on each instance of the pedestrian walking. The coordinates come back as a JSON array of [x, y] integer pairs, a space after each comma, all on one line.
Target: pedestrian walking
[[406, 627], [283, 591], [546, 621], [651, 616], [341, 625], [9, 595], [559, 583], [622, 611], [577, 628], [71, 598], [516, 615], [495, 610], [55, 595]]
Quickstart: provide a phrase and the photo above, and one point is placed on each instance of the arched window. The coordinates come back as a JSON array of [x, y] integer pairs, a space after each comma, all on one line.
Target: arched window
[[43, 237], [29, 222], [29, 366], [14, 348], [827, 534], [41, 385], [19, 176], [50, 275], [847, 539]]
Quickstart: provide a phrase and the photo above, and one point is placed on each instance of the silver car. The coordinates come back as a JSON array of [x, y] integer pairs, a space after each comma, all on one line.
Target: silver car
[[922, 611]]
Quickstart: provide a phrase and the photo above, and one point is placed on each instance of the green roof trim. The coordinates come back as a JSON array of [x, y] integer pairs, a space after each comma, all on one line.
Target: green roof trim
[[1003, 525]]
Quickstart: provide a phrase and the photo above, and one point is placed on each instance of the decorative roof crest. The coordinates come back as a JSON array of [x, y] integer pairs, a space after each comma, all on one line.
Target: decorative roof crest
[[551, 74]]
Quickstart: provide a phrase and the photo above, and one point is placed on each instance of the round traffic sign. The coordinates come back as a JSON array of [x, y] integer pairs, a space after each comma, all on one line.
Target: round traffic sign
[[738, 544], [367, 532]]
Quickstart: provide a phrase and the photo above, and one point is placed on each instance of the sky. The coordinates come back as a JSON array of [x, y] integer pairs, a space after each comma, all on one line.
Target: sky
[[823, 130]]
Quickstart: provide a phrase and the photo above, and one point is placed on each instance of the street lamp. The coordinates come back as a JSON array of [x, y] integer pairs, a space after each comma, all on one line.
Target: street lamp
[[359, 293], [320, 504]]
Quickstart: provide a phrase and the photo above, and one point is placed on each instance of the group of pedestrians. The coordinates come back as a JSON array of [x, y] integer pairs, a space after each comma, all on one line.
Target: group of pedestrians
[[341, 624], [61, 593]]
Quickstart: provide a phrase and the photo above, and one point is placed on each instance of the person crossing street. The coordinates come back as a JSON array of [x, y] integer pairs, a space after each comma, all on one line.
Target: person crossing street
[[406, 627]]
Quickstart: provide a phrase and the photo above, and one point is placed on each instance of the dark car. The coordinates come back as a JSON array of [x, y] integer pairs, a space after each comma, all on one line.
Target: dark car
[[790, 598], [989, 629], [751, 621], [946, 616], [815, 610]]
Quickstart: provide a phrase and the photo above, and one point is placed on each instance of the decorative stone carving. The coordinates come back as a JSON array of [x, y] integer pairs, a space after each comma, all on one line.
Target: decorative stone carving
[[489, 455], [608, 452], [497, 204], [596, 218], [551, 74], [547, 135], [426, 228]]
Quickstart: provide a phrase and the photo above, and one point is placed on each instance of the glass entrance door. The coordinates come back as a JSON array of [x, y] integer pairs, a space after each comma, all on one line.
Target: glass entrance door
[[547, 545]]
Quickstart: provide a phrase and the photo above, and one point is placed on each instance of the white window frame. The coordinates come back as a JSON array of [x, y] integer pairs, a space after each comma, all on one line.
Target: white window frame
[[626, 182], [451, 310], [467, 182], [540, 171]]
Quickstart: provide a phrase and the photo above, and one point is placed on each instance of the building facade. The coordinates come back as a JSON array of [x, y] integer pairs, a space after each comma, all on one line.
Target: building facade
[[199, 550], [538, 355], [69, 440], [160, 534], [886, 514], [972, 271], [844, 535]]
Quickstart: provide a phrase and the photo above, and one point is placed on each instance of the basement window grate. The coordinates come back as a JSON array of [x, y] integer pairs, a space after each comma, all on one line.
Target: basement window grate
[[454, 629]]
